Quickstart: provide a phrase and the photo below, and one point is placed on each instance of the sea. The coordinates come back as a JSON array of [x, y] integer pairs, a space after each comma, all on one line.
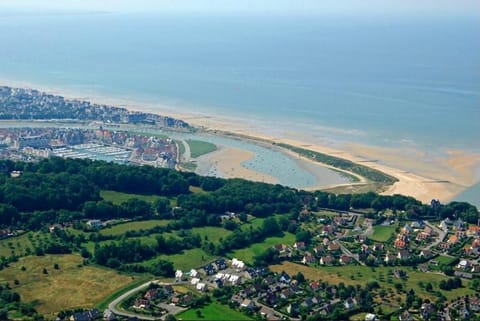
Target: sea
[[384, 81]]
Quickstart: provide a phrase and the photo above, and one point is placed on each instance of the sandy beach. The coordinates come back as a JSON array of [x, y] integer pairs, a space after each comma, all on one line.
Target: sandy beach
[[418, 175], [441, 178]]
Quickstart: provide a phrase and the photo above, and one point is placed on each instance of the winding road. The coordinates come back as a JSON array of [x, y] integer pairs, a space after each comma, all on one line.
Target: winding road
[[113, 306], [441, 235]]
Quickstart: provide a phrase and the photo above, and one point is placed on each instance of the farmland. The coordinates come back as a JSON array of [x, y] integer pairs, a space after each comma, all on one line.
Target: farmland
[[85, 285], [118, 198], [133, 226]]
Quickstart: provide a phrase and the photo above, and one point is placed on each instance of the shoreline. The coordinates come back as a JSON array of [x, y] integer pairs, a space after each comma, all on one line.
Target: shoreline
[[441, 178]]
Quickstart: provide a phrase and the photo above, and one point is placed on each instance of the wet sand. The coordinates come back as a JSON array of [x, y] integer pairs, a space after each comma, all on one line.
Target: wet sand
[[227, 162]]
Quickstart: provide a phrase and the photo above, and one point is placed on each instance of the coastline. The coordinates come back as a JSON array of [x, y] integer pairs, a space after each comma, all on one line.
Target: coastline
[[440, 178]]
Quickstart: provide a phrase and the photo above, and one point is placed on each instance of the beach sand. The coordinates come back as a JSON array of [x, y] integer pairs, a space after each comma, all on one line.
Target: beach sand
[[419, 175]]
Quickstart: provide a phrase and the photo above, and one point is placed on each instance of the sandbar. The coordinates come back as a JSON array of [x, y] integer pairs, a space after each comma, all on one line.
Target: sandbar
[[227, 162]]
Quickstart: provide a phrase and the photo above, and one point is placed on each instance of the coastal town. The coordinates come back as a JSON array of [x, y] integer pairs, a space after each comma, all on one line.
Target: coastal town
[[87, 131], [358, 257], [29, 144], [31, 104]]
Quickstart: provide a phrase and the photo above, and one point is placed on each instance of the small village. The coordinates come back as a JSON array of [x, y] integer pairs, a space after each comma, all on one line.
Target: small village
[[342, 240]]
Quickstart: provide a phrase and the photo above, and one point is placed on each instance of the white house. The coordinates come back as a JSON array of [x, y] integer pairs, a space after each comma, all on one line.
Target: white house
[[239, 265], [201, 287], [193, 273], [194, 281], [370, 317], [178, 275], [463, 264]]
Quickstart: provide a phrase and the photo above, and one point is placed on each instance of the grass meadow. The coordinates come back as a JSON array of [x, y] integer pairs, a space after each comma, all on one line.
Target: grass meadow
[[214, 312], [247, 254], [118, 198], [382, 233], [71, 286], [199, 148]]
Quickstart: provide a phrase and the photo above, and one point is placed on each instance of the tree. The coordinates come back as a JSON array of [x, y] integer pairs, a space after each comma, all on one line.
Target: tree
[[3, 314], [303, 236], [163, 268], [429, 287], [8, 214], [135, 207], [300, 278], [230, 225], [170, 317], [270, 226], [162, 207]]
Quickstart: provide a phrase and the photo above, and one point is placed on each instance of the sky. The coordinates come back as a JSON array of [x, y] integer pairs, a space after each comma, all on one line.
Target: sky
[[355, 7]]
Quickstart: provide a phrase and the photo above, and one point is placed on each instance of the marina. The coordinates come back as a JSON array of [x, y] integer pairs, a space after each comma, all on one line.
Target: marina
[[94, 151]]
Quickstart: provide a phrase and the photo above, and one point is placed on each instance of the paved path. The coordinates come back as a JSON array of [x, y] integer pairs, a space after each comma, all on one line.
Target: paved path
[[113, 305], [274, 312], [187, 154], [441, 235], [170, 308]]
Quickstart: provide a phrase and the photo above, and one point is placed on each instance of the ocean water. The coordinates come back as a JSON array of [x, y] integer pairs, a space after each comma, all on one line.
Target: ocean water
[[395, 82]]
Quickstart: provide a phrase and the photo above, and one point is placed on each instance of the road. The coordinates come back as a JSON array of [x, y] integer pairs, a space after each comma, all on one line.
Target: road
[[170, 308], [274, 312], [187, 154], [441, 235], [113, 305], [347, 252]]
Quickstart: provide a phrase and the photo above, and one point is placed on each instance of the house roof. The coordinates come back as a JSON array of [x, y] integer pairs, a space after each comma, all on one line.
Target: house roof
[[453, 239]]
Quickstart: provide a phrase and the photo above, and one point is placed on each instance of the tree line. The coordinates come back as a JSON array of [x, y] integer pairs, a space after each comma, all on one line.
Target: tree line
[[55, 190]]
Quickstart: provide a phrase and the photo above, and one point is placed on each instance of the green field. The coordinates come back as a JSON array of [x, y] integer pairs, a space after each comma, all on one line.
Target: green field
[[133, 226], [181, 147], [382, 233], [199, 148], [186, 260], [359, 275], [214, 234], [73, 285], [119, 197], [196, 190], [256, 222], [445, 260], [250, 252], [16, 245], [214, 311]]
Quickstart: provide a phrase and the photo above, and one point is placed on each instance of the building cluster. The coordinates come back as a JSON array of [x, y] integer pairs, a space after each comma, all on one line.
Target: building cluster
[[111, 145], [273, 296], [29, 104]]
